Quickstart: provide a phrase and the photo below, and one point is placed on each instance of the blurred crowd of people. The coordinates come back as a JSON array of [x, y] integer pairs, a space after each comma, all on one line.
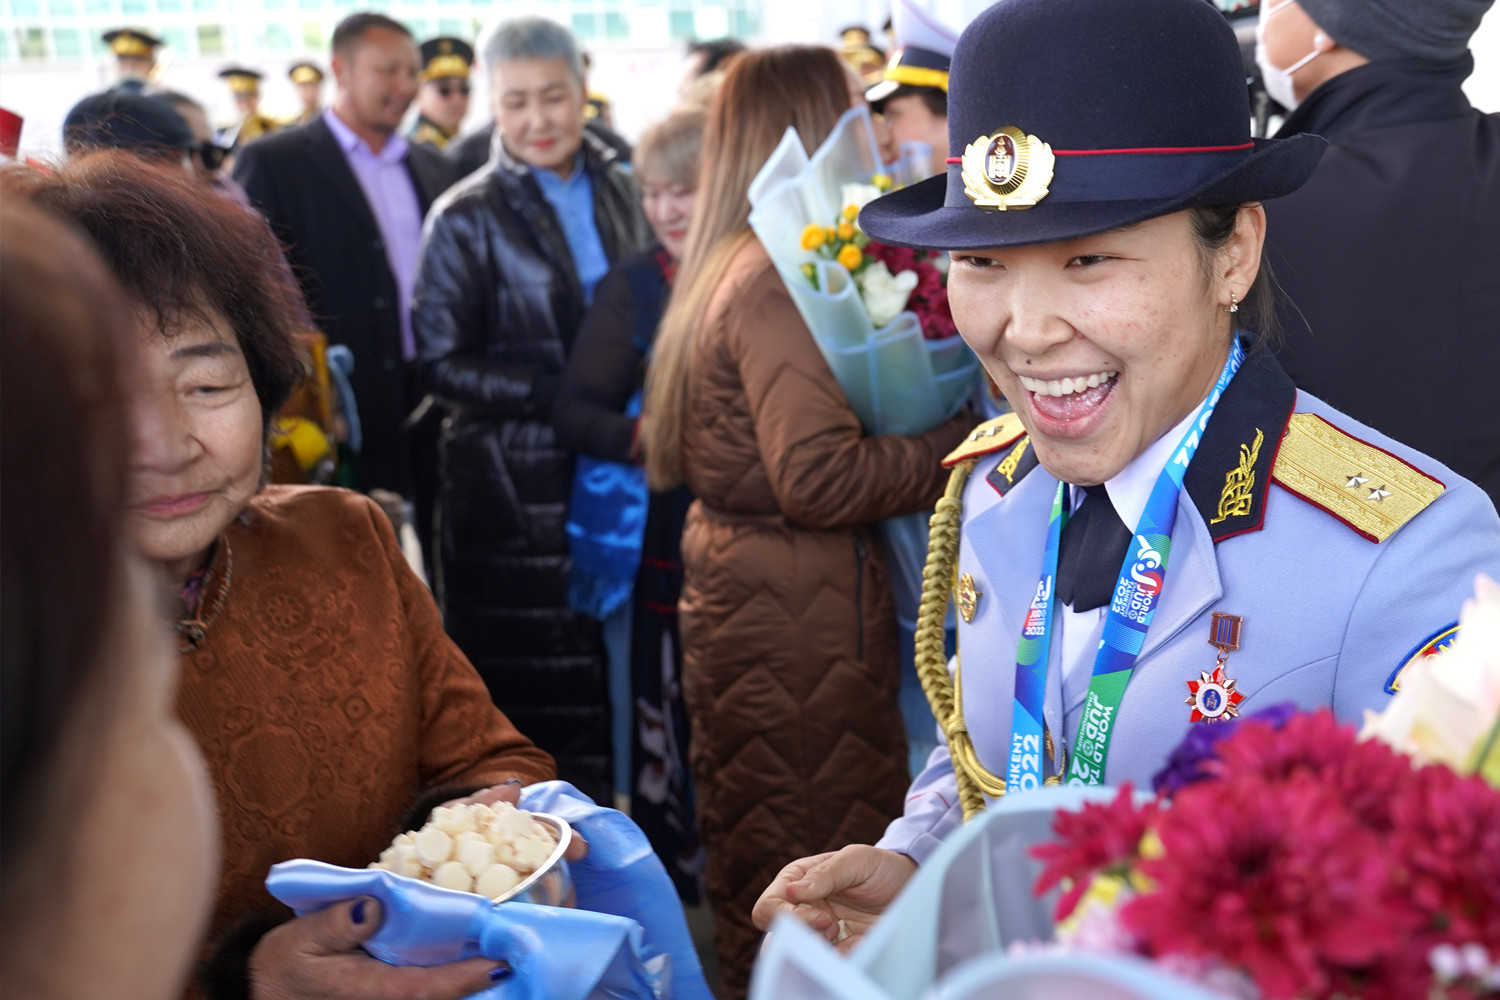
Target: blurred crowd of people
[[204, 330]]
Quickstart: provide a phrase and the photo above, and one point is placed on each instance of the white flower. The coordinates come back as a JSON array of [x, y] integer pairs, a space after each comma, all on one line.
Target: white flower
[[885, 294], [1450, 700], [858, 195]]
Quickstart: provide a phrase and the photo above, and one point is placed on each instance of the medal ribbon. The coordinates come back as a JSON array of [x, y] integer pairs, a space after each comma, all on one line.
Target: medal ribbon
[[1137, 590]]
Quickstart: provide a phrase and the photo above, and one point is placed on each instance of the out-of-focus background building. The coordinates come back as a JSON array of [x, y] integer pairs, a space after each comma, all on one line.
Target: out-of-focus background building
[[51, 53]]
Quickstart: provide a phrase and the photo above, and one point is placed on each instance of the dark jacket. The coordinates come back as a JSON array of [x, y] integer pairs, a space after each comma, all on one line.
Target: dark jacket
[[1390, 258], [608, 364], [469, 152], [301, 181], [496, 309]]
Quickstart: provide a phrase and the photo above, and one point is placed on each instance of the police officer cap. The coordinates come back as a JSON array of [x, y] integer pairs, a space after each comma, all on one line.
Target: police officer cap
[[923, 58], [446, 57], [305, 71], [118, 119], [1072, 117], [241, 79], [132, 43]]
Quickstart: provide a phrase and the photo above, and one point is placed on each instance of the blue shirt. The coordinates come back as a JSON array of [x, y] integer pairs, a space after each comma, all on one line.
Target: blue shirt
[[573, 201]]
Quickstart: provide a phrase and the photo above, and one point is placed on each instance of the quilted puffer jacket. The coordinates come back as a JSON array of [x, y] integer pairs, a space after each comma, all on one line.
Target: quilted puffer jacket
[[789, 635], [496, 307]]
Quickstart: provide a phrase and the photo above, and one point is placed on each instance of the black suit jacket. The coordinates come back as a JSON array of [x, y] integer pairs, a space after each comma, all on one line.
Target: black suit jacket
[[301, 181], [1389, 257]]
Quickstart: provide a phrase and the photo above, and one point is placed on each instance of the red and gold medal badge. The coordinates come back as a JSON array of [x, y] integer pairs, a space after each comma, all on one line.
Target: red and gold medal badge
[[1212, 695]]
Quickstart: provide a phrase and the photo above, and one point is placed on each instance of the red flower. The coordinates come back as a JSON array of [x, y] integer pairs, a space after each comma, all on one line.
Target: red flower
[[1096, 839], [1364, 776], [929, 300], [1447, 837], [1277, 877]]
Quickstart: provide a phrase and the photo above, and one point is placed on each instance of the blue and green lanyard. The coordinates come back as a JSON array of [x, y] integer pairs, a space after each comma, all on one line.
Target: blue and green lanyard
[[1137, 590]]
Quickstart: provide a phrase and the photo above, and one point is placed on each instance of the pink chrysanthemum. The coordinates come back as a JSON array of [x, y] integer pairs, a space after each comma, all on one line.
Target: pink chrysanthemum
[[1099, 838], [1276, 877]]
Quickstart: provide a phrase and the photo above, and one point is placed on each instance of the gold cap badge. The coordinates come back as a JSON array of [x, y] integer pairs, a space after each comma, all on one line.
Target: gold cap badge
[[1009, 169]]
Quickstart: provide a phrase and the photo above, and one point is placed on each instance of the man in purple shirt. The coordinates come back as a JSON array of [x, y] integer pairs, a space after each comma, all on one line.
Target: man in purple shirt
[[347, 194]]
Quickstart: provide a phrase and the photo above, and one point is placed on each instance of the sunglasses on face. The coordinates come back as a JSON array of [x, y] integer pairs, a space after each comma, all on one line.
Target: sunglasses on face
[[448, 89], [211, 154]]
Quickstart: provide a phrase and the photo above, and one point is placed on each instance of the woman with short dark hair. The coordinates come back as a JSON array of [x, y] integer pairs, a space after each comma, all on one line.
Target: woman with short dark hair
[[315, 671]]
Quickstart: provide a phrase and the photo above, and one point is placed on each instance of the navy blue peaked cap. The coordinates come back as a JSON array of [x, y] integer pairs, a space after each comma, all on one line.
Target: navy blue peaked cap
[[1113, 111]]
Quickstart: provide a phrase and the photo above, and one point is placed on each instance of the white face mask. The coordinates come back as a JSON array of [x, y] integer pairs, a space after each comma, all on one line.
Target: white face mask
[[1278, 82]]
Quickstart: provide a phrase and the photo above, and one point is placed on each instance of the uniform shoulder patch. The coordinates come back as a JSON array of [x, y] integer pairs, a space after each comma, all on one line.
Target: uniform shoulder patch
[[990, 436], [1430, 646], [1366, 487]]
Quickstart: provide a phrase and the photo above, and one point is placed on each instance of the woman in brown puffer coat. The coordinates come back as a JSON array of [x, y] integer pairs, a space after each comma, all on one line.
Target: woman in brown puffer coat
[[789, 635]]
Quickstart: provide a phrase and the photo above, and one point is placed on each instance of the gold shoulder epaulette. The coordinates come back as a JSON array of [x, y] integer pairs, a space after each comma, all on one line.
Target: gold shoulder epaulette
[[992, 435], [1366, 487]]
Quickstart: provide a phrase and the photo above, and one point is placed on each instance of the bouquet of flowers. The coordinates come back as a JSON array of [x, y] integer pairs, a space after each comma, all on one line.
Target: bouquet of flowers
[[1298, 860], [879, 314], [1283, 857]]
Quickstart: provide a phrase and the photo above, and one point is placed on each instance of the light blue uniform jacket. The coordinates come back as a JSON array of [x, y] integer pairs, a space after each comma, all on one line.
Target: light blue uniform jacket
[[1329, 615]]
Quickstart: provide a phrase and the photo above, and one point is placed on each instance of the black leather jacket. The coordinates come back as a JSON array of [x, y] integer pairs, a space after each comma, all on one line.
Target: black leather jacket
[[496, 308]]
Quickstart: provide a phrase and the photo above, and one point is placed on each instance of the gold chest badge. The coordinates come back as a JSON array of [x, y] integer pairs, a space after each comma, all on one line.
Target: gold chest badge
[[1009, 169], [968, 598]]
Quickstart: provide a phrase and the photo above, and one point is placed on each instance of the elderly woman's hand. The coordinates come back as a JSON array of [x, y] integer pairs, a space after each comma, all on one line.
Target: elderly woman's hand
[[317, 957], [840, 894]]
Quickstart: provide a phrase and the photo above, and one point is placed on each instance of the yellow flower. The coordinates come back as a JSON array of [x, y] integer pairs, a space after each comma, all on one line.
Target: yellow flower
[[882, 181], [846, 231], [812, 236], [851, 212], [850, 256], [830, 234]]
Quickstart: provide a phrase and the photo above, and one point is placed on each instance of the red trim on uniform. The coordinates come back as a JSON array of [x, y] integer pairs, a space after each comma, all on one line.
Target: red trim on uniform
[[995, 445], [1377, 447], [1270, 471], [1367, 444], [1303, 497], [1143, 149], [1154, 149]]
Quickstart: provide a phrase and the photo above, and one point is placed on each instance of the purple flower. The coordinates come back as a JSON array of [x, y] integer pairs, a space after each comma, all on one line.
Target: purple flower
[[1185, 765]]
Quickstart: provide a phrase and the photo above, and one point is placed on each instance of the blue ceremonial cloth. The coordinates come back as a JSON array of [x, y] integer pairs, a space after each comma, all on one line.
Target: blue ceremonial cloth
[[606, 527], [627, 939]]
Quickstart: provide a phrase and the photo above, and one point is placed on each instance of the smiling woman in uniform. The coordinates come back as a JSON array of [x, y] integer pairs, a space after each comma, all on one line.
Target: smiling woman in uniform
[[1166, 532]]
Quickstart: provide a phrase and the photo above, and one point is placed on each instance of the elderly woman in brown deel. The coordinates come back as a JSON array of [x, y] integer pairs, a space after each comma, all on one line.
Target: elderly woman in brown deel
[[316, 675]]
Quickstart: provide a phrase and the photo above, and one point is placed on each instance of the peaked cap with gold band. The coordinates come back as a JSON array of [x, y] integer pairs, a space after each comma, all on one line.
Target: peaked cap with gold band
[[132, 43], [923, 58], [1256, 438], [1028, 129], [305, 72], [446, 58], [242, 80]]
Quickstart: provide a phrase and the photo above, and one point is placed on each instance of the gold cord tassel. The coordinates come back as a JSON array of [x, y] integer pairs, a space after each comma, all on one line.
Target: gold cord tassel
[[938, 580]]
